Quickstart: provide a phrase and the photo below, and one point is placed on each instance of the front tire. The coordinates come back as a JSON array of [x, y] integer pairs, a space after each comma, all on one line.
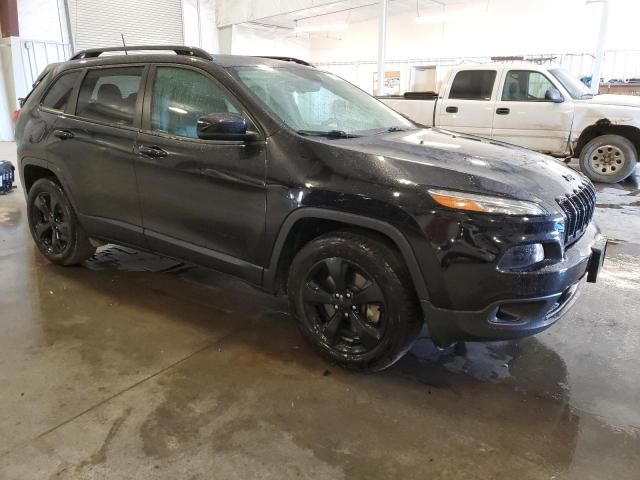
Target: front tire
[[608, 159], [54, 225], [354, 301]]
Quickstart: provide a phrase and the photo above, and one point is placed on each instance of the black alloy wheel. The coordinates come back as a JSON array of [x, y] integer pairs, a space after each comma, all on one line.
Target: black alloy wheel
[[50, 223], [345, 306], [353, 299], [54, 225]]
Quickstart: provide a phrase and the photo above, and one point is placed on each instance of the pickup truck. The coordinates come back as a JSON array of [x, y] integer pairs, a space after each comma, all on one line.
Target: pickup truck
[[537, 107]]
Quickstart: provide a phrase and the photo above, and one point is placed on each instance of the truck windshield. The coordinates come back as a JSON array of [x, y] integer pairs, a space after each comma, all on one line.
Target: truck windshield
[[313, 102], [575, 87]]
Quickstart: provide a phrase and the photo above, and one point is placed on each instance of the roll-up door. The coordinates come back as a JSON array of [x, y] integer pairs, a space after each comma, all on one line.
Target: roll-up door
[[99, 23]]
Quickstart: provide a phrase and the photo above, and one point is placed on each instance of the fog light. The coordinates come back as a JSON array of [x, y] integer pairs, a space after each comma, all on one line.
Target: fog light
[[522, 256]]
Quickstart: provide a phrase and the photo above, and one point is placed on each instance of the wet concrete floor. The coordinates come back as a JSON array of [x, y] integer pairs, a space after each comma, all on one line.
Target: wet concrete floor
[[134, 366]]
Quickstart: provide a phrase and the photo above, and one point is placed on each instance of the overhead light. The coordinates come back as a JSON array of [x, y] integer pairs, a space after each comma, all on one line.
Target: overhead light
[[449, 16], [332, 27], [179, 110]]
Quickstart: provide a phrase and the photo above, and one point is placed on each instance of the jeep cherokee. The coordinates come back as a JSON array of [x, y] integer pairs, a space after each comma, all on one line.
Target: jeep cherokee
[[297, 181]]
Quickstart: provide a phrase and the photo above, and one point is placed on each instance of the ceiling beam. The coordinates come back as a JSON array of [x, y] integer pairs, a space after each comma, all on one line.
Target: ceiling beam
[[241, 11]]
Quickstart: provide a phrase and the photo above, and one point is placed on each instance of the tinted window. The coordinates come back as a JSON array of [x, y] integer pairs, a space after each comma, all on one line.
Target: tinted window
[[473, 85], [59, 94], [110, 95], [525, 86], [180, 97]]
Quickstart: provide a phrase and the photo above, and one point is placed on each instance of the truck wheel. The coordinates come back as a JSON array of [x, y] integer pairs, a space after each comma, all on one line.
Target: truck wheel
[[608, 159], [54, 225], [354, 300]]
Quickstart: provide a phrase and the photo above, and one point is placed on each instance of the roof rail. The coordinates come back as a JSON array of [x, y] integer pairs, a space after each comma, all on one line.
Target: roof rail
[[287, 59], [179, 49]]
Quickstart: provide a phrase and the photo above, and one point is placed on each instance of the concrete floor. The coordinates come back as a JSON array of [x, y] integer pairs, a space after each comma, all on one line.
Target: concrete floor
[[133, 366]]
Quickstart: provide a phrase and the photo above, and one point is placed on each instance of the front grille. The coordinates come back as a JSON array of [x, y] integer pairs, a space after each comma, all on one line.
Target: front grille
[[578, 207]]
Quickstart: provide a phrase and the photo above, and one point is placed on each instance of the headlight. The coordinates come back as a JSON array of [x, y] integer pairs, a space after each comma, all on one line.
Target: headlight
[[472, 202]]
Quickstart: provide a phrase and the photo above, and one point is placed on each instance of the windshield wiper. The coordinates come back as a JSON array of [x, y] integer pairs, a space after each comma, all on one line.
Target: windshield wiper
[[328, 133], [396, 129], [587, 95]]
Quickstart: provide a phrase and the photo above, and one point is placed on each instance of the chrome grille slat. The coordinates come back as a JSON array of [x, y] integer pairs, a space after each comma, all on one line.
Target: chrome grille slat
[[584, 208], [581, 214], [578, 208]]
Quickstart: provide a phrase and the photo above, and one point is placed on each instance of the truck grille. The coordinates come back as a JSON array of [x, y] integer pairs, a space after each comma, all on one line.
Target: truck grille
[[578, 207]]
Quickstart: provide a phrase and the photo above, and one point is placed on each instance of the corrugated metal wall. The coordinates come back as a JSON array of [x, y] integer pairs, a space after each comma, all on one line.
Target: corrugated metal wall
[[99, 23]]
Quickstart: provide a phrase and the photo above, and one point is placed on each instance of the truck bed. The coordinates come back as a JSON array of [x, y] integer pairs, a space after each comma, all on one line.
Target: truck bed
[[417, 109]]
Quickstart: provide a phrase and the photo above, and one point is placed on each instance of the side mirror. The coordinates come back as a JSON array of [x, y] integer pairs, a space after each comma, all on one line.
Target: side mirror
[[21, 101], [554, 95], [224, 126]]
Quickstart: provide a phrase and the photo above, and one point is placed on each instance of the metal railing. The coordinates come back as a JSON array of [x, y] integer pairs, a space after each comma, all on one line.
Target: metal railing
[[618, 64], [36, 55]]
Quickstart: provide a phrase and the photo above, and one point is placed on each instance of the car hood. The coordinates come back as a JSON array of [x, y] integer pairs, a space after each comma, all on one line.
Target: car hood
[[614, 100], [444, 159]]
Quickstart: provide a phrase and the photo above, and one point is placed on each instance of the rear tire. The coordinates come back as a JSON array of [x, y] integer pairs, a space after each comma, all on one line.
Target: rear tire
[[608, 159], [354, 301], [54, 225]]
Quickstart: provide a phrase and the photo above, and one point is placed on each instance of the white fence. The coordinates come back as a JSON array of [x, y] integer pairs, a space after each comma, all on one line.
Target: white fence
[[35, 56], [618, 64]]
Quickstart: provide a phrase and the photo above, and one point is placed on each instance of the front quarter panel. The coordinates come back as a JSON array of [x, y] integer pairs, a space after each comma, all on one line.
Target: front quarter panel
[[588, 114], [305, 174]]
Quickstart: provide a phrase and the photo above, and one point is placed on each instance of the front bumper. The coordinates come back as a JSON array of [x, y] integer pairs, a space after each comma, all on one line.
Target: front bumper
[[521, 313]]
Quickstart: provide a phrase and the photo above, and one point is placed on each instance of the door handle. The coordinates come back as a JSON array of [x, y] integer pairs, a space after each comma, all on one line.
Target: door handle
[[451, 109], [502, 111], [151, 151], [63, 134]]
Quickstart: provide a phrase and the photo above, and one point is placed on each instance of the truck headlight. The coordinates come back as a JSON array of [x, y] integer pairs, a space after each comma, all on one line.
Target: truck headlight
[[471, 202], [522, 256]]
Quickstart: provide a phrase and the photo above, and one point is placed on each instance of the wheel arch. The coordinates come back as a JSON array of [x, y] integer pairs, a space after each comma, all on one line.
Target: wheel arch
[[32, 172], [605, 127], [305, 224], [33, 169]]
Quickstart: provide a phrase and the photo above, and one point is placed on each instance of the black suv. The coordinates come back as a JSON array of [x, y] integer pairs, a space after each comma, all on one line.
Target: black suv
[[297, 181]]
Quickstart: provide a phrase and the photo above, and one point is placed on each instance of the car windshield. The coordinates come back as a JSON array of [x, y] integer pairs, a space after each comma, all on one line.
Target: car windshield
[[575, 87], [313, 102]]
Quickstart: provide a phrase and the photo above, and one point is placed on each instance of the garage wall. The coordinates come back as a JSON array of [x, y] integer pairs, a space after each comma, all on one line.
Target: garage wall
[[199, 19], [254, 40], [496, 27], [42, 20], [98, 23], [485, 28]]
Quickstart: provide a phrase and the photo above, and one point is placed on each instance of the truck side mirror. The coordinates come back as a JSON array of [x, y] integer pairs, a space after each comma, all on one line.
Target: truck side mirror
[[554, 95]]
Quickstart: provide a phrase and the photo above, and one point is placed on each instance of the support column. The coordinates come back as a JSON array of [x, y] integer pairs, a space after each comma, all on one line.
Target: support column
[[6, 133], [225, 39], [382, 46], [9, 18], [599, 60], [8, 28]]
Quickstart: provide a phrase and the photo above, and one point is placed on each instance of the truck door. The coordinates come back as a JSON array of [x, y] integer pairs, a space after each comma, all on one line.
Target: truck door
[[468, 103], [526, 115]]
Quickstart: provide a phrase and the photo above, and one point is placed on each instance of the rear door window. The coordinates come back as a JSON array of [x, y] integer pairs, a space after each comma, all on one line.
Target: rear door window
[[59, 95], [473, 85], [109, 95]]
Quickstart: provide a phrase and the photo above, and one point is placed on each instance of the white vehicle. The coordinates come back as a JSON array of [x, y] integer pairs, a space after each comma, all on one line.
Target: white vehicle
[[537, 107]]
